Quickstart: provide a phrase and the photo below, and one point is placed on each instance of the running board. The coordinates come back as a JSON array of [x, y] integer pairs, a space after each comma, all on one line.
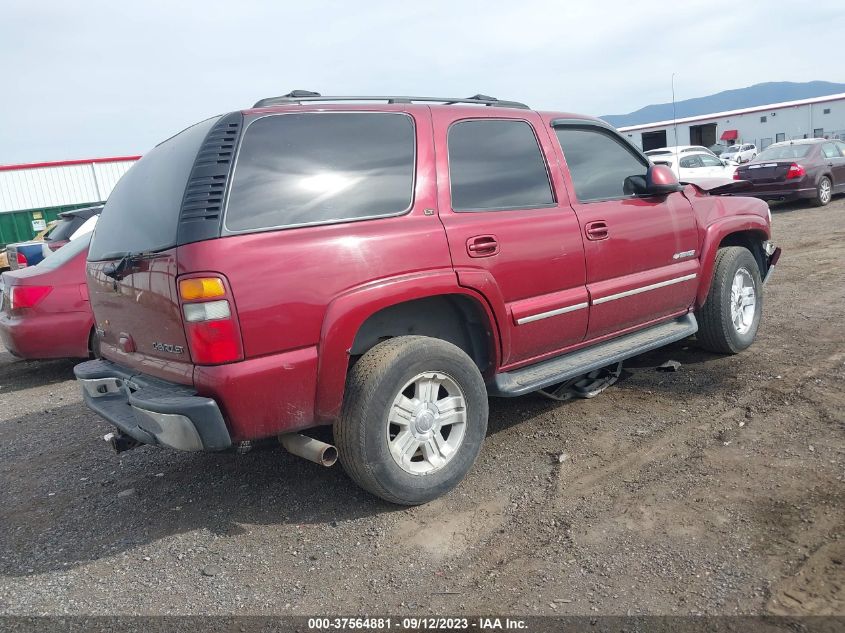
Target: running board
[[555, 370]]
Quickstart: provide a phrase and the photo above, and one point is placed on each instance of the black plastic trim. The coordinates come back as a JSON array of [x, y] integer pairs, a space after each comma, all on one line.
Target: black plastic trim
[[152, 394], [201, 214], [561, 368], [298, 97]]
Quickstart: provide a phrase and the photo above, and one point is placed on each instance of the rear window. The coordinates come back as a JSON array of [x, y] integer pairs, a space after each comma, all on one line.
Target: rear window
[[142, 212], [784, 152], [316, 168], [66, 253], [64, 229]]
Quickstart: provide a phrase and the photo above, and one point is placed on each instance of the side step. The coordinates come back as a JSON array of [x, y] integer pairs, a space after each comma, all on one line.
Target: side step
[[555, 370]]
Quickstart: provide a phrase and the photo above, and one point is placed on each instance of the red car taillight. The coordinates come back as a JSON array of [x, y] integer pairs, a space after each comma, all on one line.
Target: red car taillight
[[214, 337], [27, 296], [22, 263], [795, 171], [737, 176]]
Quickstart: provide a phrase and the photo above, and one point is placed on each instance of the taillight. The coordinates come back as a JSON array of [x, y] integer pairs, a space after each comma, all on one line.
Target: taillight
[[22, 263], [795, 171], [27, 296], [737, 176], [214, 337]]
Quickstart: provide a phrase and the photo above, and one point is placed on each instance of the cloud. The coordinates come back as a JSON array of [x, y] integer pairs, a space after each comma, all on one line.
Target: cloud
[[104, 78]]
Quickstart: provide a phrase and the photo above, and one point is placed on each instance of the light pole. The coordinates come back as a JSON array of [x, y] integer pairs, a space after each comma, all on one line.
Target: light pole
[[674, 118]]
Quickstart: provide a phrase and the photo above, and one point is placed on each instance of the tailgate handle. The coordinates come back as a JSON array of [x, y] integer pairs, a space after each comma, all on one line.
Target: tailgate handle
[[482, 246]]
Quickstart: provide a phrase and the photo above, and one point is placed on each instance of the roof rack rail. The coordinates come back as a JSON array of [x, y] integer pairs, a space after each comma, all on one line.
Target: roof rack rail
[[297, 97]]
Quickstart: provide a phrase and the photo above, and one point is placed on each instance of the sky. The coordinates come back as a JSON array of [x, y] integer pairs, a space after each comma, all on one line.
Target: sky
[[92, 79]]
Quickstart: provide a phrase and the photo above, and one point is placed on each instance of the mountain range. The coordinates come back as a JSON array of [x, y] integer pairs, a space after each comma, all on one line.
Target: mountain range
[[752, 96]]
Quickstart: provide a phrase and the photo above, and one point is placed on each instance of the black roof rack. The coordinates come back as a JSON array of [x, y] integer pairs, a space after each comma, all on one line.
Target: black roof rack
[[300, 96]]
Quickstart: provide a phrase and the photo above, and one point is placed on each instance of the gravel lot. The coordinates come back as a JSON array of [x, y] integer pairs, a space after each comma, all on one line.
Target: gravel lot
[[719, 489]]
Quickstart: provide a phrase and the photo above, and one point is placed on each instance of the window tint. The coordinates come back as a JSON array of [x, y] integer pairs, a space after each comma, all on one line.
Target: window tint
[[598, 162], [496, 165], [295, 169], [691, 162], [785, 152], [142, 212]]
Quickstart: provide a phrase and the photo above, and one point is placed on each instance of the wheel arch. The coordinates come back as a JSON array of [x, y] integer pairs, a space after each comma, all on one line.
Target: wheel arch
[[428, 305], [747, 231]]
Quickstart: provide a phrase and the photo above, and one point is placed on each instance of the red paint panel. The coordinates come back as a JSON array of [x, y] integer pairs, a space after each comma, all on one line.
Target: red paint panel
[[264, 396], [58, 326]]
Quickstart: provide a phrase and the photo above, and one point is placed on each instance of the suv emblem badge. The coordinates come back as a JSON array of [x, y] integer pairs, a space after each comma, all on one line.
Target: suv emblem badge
[[167, 347]]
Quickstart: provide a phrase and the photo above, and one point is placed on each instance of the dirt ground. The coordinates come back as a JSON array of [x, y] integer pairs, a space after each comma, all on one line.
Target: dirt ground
[[719, 489]]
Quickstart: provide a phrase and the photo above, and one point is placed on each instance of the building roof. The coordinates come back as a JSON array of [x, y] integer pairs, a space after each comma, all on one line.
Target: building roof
[[728, 113]]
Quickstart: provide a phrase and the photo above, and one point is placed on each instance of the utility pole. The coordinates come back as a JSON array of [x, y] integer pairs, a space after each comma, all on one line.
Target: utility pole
[[674, 117]]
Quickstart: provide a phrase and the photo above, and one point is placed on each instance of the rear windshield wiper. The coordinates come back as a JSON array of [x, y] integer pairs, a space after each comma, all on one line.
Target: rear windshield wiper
[[128, 261]]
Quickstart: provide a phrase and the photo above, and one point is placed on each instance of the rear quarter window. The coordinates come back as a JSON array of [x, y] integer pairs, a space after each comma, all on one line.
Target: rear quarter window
[[142, 212], [318, 168]]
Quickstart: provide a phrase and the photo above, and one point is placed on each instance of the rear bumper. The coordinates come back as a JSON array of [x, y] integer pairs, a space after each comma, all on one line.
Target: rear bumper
[[779, 192], [150, 410], [41, 336]]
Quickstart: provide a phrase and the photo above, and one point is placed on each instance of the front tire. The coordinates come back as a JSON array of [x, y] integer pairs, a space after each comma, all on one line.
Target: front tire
[[413, 420], [730, 317], [824, 191]]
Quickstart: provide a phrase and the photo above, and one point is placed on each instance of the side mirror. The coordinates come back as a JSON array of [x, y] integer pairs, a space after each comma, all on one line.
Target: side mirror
[[659, 180]]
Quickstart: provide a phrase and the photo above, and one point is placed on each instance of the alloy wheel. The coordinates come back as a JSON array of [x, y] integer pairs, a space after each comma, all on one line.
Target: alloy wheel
[[427, 423]]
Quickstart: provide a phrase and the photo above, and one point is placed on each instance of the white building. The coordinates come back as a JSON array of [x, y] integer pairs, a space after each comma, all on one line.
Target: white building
[[762, 125], [33, 194]]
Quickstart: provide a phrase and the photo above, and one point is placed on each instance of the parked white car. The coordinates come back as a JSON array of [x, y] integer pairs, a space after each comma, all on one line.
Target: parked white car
[[691, 166], [740, 153]]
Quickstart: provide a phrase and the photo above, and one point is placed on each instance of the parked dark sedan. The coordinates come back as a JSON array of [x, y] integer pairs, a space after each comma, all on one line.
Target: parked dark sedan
[[813, 169]]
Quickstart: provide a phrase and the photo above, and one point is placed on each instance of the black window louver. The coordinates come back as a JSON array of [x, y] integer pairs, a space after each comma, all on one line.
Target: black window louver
[[202, 206]]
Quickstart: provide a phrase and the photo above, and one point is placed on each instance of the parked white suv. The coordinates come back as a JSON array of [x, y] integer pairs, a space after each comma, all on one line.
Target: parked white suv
[[740, 153]]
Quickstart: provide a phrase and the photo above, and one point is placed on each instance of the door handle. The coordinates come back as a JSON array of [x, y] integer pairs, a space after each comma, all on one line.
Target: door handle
[[597, 230], [482, 246]]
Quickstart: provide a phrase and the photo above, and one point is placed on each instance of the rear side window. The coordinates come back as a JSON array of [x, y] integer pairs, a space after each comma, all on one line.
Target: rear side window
[[315, 168], [829, 150], [496, 165], [142, 212], [598, 162]]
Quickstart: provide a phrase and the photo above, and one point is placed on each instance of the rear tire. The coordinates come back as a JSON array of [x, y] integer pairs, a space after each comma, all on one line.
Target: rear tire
[[94, 345], [824, 191], [730, 317], [413, 420]]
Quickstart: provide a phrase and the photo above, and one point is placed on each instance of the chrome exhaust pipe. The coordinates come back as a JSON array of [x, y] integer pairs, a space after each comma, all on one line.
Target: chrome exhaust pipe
[[309, 448]]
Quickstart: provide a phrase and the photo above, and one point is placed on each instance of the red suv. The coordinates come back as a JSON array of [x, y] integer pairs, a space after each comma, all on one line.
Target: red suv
[[383, 264]]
